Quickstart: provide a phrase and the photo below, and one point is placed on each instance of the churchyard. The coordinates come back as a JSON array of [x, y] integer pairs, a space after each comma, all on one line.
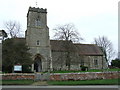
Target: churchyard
[[37, 60], [91, 77]]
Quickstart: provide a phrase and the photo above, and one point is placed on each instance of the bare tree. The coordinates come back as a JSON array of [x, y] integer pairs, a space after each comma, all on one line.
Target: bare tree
[[69, 34], [106, 46], [13, 28]]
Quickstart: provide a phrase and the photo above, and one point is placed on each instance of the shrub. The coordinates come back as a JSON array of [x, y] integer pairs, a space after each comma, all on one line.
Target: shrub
[[84, 68], [26, 69]]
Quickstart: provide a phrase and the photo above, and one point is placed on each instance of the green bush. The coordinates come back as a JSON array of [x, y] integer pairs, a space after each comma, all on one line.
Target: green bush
[[84, 68], [26, 69]]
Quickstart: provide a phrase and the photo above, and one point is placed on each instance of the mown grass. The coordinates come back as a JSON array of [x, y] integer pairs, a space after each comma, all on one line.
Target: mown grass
[[86, 82], [17, 82], [91, 70], [80, 82], [118, 69]]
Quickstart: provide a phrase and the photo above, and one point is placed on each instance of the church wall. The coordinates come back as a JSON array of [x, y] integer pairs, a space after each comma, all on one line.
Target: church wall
[[75, 61], [59, 59], [90, 62]]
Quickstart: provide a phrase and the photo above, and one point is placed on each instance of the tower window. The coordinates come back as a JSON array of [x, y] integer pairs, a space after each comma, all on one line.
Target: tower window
[[38, 42], [37, 21]]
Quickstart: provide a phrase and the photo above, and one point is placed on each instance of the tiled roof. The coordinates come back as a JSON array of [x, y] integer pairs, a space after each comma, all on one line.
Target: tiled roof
[[17, 40], [89, 49], [82, 49], [60, 45]]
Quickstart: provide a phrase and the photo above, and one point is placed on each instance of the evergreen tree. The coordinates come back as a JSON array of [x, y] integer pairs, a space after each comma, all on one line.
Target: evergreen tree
[[115, 63], [14, 52]]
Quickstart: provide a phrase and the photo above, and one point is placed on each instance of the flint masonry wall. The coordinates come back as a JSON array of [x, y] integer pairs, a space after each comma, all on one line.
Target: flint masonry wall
[[67, 76], [85, 76], [18, 77]]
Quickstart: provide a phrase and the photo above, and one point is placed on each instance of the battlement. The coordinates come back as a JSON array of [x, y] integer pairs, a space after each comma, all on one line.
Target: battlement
[[39, 10]]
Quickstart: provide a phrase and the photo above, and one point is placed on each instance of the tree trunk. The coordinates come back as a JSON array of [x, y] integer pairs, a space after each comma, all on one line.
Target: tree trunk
[[68, 60]]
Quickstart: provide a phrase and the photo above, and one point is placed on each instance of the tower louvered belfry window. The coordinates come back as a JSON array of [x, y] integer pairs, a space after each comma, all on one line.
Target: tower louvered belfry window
[[37, 21]]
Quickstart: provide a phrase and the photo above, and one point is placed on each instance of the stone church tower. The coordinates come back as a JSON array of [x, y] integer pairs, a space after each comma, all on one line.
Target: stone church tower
[[37, 38]]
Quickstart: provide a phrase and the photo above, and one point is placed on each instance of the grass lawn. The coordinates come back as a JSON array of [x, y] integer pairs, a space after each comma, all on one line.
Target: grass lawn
[[86, 82], [82, 82], [92, 70], [17, 82], [75, 71]]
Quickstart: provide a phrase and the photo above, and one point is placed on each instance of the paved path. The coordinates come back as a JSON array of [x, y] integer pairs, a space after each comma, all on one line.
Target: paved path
[[85, 86], [40, 83]]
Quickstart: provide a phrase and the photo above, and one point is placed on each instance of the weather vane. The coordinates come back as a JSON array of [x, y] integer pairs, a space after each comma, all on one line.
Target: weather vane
[[36, 3]]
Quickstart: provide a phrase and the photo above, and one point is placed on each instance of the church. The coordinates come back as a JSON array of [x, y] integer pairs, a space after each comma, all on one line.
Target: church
[[51, 54]]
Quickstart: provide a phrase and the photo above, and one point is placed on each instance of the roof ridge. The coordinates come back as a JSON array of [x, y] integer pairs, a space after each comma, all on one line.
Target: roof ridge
[[83, 44], [19, 38], [60, 40]]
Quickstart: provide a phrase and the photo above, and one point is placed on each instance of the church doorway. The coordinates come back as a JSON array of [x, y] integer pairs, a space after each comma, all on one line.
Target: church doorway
[[38, 64]]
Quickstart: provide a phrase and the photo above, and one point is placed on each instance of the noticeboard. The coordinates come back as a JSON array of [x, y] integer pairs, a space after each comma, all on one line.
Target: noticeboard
[[17, 67]]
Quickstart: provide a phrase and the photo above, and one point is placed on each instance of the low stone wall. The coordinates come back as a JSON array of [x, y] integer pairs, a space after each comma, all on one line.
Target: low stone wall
[[14, 76], [85, 76], [65, 76]]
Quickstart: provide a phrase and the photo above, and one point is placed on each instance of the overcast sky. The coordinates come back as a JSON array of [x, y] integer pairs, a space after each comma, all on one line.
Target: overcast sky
[[92, 18]]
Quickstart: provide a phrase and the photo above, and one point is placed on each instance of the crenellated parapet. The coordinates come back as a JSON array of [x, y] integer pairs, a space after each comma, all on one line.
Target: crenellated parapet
[[38, 10]]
